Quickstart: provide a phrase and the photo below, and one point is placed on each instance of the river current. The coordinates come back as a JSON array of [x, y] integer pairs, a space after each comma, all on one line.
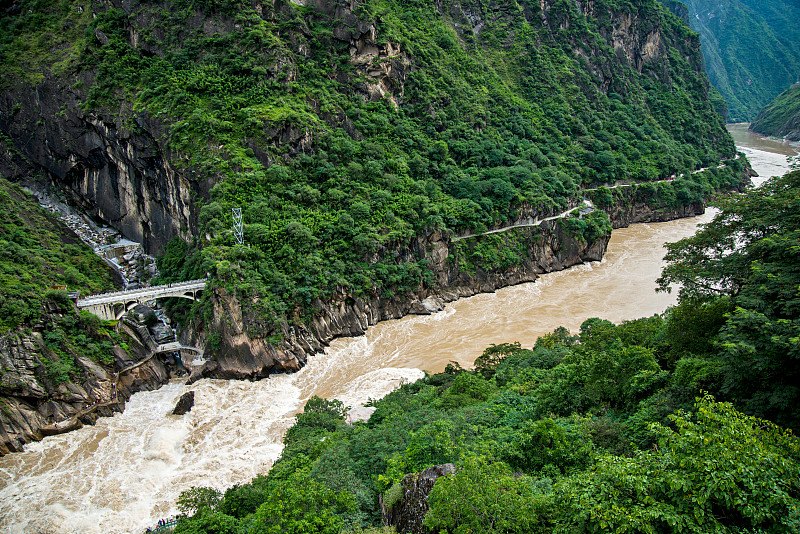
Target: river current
[[126, 472]]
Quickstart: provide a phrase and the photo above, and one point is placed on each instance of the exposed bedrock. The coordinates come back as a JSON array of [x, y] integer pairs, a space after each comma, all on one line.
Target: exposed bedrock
[[33, 405], [116, 169], [408, 513]]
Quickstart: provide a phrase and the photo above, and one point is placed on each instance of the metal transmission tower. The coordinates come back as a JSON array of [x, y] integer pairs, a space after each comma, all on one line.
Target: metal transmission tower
[[238, 228]]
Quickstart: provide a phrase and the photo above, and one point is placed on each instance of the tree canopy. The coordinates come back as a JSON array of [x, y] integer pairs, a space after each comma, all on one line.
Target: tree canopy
[[750, 254]]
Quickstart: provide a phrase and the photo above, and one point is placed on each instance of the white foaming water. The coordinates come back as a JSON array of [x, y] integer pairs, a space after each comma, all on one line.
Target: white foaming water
[[127, 471]]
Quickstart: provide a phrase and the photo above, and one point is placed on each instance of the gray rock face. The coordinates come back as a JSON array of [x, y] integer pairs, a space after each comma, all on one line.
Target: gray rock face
[[407, 514], [31, 405], [115, 169], [623, 215]]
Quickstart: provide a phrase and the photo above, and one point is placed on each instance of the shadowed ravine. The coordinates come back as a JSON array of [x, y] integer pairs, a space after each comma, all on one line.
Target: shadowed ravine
[[125, 472]]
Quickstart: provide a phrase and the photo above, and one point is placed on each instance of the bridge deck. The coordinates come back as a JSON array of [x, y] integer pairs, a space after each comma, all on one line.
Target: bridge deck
[[175, 345], [143, 293]]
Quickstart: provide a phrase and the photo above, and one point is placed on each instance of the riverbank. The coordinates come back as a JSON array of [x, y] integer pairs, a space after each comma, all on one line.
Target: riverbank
[[126, 472]]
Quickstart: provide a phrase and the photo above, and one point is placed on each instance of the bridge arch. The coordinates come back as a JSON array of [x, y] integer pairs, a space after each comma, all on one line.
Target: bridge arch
[[112, 306]]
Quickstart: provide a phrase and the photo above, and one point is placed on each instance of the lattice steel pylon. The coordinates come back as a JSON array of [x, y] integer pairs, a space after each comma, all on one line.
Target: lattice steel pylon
[[238, 228]]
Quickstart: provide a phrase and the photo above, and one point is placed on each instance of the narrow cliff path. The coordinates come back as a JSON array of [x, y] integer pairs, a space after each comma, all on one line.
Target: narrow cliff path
[[536, 222], [585, 202]]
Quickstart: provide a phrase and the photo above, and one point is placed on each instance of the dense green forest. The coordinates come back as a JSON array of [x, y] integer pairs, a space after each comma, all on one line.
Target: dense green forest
[[39, 256], [751, 50], [612, 429], [38, 252], [344, 134], [781, 117]]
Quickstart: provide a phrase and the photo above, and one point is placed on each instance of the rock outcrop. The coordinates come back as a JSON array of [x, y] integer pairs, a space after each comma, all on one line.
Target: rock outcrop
[[32, 404], [408, 513], [623, 215], [115, 169], [185, 403]]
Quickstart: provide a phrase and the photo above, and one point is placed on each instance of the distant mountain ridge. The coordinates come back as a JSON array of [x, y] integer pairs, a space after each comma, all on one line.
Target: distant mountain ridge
[[781, 117], [751, 49]]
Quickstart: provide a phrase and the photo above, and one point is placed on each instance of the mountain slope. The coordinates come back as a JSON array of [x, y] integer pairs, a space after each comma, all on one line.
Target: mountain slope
[[751, 50], [781, 117], [357, 141]]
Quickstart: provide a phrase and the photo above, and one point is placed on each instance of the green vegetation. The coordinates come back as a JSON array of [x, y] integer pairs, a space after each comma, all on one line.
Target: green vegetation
[[684, 190], [606, 430], [781, 117], [77, 335], [751, 50], [38, 253], [339, 158], [749, 255], [590, 227], [38, 256], [41, 36]]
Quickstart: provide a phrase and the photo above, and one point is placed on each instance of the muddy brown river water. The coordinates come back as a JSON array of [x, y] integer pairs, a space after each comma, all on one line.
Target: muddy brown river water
[[126, 472]]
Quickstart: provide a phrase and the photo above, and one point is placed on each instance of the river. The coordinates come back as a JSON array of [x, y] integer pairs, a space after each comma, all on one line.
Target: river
[[125, 472]]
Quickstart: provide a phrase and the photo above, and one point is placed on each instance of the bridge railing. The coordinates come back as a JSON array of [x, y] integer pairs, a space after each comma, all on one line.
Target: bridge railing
[[176, 285]]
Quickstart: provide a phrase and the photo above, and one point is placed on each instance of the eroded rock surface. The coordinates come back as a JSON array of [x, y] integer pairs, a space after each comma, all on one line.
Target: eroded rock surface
[[408, 513], [33, 405], [185, 403]]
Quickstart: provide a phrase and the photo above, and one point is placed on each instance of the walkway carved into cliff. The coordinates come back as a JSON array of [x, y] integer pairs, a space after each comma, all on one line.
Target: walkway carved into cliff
[[584, 208], [112, 306]]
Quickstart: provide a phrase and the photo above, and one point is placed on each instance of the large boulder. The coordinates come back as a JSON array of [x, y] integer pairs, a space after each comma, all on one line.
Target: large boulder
[[408, 512], [185, 403]]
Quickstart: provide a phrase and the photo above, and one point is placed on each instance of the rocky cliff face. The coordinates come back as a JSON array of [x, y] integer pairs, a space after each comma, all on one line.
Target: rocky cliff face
[[117, 164], [116, 169], [408, 513], [32, 404], [623, 215]]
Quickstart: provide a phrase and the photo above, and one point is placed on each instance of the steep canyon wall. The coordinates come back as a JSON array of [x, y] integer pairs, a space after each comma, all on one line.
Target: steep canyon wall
[[119, 164]]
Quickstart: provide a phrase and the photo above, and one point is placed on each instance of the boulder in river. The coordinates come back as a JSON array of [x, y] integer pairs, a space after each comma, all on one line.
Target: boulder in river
[[184, 404]]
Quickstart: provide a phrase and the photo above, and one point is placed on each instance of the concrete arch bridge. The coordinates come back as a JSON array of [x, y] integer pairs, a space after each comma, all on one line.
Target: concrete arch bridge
[[112, 306]]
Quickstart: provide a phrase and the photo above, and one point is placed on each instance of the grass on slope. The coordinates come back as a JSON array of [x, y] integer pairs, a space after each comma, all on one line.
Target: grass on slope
[[37, 252]]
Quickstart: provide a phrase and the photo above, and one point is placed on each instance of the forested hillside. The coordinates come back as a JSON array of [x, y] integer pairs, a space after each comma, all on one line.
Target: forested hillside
[[54, 360], [751, 50], [37, 254], [344, 133], [612, 429], [781, 117]]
